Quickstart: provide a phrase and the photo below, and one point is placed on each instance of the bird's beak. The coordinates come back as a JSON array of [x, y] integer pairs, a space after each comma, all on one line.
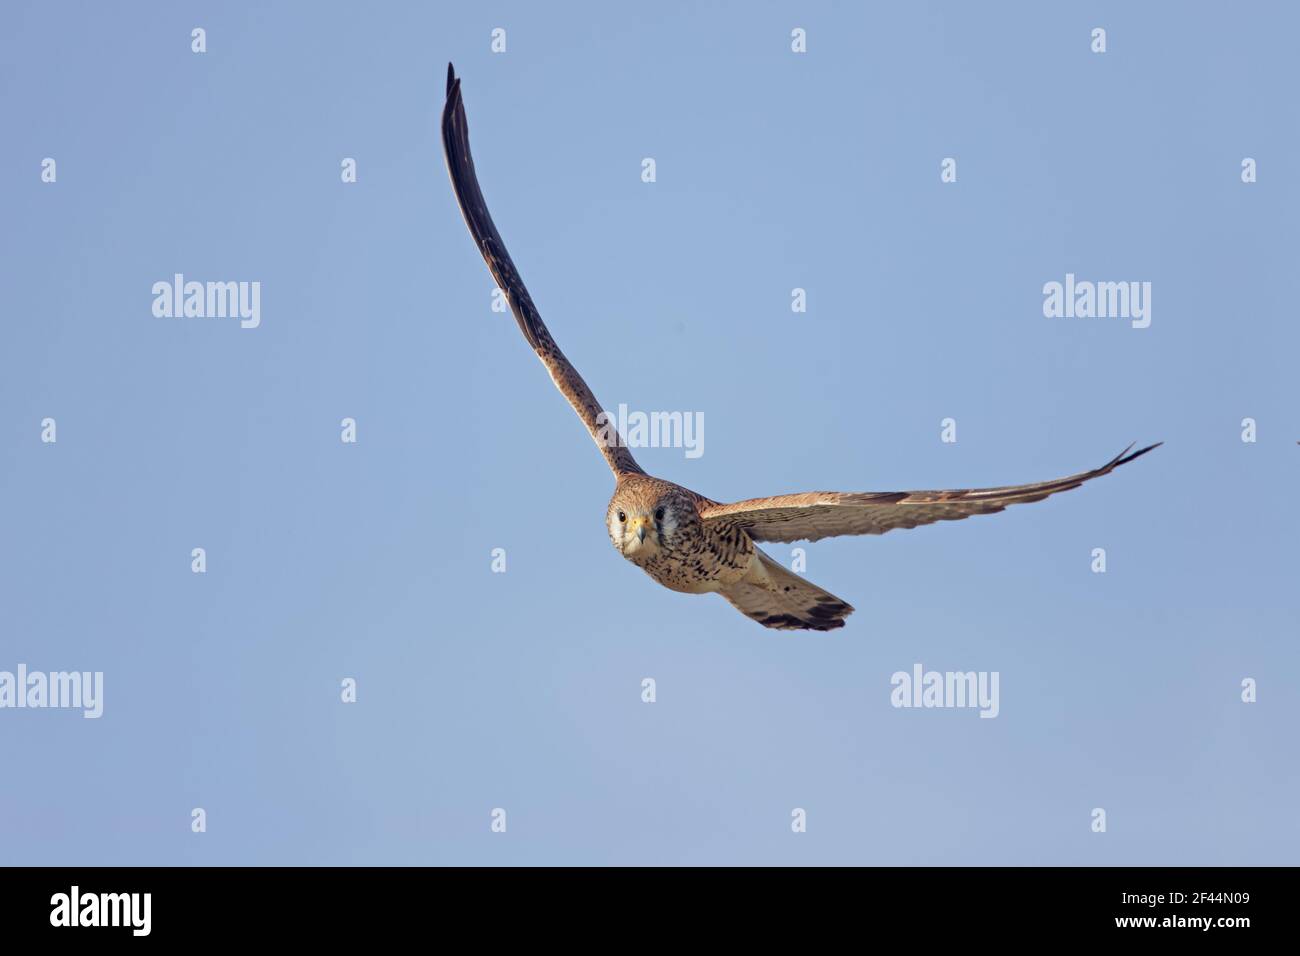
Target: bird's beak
[[641, 525]]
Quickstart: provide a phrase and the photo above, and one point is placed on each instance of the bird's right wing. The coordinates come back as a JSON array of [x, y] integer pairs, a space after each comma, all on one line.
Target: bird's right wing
[[460, 164], [822, 514]]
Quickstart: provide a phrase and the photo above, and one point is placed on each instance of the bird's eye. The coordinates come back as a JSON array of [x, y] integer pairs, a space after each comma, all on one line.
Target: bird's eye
[[621, 516], [659, 515]]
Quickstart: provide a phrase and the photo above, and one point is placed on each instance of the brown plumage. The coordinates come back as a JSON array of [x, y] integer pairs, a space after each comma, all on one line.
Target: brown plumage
[[683, 540]]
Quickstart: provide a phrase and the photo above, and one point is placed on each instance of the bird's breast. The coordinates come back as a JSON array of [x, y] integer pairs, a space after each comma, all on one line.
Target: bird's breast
[[700, 560]]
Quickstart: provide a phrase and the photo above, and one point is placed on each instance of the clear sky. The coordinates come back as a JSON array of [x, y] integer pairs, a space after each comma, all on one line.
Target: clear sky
[[522, 690]]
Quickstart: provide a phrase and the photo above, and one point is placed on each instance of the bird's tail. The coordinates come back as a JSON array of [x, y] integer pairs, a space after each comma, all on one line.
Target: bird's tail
[[781, 599]]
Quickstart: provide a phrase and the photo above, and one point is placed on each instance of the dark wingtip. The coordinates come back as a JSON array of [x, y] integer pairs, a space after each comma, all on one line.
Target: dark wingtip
[[453, 98], [1123, 458]]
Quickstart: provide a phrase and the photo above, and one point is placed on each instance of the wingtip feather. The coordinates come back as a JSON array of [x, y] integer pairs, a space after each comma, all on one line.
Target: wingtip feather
[[1124, 457], [453, 101]]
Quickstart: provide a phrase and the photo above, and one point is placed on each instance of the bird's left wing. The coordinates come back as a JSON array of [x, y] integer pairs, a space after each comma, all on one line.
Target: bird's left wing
[[823, 514], [460, 164]]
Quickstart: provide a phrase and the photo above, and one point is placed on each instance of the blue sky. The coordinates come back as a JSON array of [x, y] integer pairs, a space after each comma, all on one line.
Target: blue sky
[[775, 170]]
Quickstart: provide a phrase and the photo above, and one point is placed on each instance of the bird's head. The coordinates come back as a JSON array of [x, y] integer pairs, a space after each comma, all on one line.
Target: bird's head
[[643, 520]]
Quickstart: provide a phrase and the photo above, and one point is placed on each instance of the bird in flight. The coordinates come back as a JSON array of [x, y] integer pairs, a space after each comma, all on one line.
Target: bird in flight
[[683, 540]]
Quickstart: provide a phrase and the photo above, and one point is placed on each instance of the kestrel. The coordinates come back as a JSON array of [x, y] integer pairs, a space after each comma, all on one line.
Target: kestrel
[[683, 540]]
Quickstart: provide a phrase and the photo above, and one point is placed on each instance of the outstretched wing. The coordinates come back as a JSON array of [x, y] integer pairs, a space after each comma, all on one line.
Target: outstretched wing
[[823, 514], [460, 164]]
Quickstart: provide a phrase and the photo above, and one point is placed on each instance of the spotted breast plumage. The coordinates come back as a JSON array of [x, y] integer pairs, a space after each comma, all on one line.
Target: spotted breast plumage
[[687, 542]]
